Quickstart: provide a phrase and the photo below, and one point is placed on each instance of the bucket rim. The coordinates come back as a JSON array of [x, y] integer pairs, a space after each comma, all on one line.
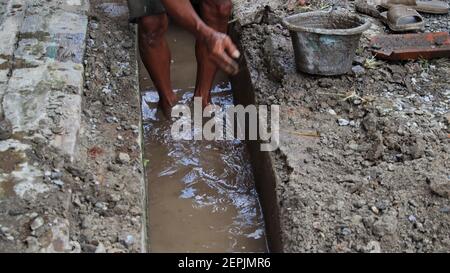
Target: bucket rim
[[365, 24]]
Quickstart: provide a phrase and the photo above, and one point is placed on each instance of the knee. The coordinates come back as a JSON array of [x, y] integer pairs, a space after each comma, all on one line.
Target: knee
[[220, 8], [152, 28]]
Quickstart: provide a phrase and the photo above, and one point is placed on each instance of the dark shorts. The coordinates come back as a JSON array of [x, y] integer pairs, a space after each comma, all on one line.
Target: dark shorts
[[142, 8]]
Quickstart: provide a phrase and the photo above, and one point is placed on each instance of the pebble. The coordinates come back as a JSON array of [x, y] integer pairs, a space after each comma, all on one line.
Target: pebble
[[123, 158], [58, 182], [332, 112], [317, 225], [34, 215], [358, 60], [343, 122], [126, 239], [375, 210], [56, 174], [346, 232], [445, 210], [373, 247], [101, 205], [100, 248], [37, 223], [358, 70], [111, 119], [440, 185], [391, 167], [381, 205]]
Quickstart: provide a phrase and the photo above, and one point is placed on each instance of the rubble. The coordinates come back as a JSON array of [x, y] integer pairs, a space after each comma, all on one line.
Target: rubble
[[397, 144]]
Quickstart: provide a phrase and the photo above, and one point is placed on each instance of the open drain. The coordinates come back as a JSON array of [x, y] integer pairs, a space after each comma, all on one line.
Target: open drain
[[201, 194]]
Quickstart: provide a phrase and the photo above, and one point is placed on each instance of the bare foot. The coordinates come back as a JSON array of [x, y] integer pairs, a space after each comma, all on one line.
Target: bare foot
[[205, 101], [166, 104]]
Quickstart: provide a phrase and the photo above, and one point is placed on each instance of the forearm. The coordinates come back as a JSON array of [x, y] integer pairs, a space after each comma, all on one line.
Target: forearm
[[183, 12]]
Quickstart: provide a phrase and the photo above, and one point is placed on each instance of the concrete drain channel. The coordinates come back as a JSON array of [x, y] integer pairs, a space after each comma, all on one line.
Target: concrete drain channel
[[201, 195]]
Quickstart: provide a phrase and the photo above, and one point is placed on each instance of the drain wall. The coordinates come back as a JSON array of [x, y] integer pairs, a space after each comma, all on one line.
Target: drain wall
[[265, 177]]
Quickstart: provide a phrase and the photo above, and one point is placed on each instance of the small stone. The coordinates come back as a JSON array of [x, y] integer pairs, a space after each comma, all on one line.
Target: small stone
[[353, 146], [412, 203], [346, 232], [412, 218], [390, 167], [331, 112], [126, 239], [37, 223], [100, 248], [373, 247], [381, 205], [114, 197], [58, 182], [358, 60], [445, 210], [34, 215], [375, 210], [101, 205], [119, 137], [57, 174], [358, 70], [123, 158], [343, 122], [4, 230], [111, 119], [316, 225], [440, 186]]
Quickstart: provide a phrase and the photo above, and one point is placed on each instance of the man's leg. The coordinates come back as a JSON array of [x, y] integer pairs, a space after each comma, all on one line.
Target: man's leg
[[216, 14], [155, 54]]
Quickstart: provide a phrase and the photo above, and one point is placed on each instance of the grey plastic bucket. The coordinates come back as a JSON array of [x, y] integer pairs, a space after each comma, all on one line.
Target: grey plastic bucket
[[325, 42]]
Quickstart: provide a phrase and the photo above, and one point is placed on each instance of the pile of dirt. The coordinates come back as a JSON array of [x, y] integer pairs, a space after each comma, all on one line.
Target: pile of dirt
[[93, 202], [376, 179], [107, 212]]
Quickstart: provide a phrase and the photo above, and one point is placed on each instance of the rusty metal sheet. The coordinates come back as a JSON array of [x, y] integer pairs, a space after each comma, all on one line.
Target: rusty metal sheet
[[411, 46]]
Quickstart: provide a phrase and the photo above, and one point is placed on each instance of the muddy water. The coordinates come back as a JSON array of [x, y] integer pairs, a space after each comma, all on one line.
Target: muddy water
[[201, 194]]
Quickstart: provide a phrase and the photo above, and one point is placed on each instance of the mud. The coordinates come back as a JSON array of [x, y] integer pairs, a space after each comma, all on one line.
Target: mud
[[201, 194], [374, 178], [108, 195], [92, 201]]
